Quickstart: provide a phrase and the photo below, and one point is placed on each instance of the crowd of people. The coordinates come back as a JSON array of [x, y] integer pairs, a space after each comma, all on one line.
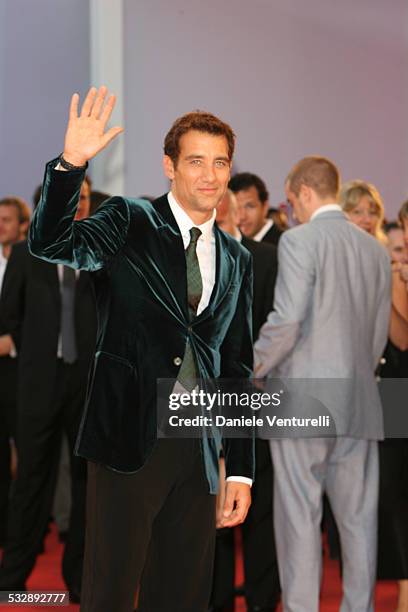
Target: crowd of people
[[303, 276]]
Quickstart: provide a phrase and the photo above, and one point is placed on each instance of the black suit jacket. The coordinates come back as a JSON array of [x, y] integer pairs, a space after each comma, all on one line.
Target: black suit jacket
[[31, 311], [273, 235], [265, 265], [135, 254]]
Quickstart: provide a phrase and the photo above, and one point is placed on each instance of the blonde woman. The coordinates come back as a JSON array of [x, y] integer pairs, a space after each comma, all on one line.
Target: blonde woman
[[363, 205]]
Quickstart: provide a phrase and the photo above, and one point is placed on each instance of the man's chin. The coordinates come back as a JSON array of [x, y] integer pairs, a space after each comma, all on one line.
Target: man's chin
[[244, 231], [208, 204]]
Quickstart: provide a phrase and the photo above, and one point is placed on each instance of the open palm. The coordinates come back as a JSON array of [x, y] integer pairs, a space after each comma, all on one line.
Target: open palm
[[86, 133]]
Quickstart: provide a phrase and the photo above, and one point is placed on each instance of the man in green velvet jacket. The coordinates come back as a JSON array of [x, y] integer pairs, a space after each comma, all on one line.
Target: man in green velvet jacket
[[150, 517]]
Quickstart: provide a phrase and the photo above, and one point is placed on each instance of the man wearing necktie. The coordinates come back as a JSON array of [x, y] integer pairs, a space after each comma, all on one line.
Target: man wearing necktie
[[50, 313], [174, 300]]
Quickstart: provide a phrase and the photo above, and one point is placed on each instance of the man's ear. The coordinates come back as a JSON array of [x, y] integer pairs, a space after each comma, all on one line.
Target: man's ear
[[168, 167], [305, 191]]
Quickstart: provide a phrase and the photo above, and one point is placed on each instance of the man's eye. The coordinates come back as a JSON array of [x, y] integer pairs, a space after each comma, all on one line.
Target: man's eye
[[196, 162], [220, 163]]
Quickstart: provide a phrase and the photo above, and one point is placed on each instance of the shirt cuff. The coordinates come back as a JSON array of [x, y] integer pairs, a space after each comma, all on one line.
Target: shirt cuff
[[242, 479]]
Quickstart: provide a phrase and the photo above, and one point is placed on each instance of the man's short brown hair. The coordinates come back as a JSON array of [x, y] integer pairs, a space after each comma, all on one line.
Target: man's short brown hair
[[316, 172], [200, 121], [23, 210]]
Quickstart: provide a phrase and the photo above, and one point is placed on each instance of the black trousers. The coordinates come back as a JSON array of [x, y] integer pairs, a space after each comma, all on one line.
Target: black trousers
[[39, 431], [154, 529], [262, 588], [8, 396]]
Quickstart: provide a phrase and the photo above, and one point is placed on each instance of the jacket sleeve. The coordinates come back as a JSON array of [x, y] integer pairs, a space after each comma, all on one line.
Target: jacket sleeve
[[236, 363], [12, 302], [294, 287], [87, 244]]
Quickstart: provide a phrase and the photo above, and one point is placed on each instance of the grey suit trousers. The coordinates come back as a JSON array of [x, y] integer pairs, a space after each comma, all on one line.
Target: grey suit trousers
[[347, 469]]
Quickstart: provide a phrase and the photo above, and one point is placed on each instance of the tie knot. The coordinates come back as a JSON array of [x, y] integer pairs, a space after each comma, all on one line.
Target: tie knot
[[195, 233]]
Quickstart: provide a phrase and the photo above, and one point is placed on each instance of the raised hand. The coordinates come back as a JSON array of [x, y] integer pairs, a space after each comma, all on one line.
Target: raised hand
[[86, 135]]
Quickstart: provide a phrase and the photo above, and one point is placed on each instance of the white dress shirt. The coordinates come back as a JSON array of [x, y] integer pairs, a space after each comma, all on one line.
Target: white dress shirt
[[206, 254], [325, 208], [3, 264], [205, 248], [264, 230]]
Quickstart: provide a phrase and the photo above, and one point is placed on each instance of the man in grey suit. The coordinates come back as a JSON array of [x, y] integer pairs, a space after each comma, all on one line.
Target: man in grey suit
[[332, 303]]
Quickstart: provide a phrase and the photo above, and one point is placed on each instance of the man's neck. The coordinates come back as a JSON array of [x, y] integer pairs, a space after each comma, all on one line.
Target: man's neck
[[198, 217], [318, 205]]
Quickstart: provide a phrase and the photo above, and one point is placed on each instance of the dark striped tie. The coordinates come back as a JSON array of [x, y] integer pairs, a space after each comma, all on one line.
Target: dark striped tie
[[188, 370]]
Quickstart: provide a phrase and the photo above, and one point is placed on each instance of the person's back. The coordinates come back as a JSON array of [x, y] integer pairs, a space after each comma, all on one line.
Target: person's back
[[326, 336], [350, 275]]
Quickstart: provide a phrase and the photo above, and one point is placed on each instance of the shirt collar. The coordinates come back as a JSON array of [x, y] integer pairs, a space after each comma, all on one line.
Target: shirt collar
[[264, 230], [325, 208], [185, 223]]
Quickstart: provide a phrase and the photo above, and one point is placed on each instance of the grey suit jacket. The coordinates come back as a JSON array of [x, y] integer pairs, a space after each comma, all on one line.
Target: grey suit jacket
[[330, 319]]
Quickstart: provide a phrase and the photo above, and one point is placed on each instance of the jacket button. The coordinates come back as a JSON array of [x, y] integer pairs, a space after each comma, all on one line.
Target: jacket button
[[177, 361]]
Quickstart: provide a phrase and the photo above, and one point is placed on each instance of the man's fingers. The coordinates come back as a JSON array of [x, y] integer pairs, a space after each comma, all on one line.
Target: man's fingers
[[73, 108], [107, 111], [111, 134], [237, 516], [87, 105], [237, 502], [228, 503], [100, 98]]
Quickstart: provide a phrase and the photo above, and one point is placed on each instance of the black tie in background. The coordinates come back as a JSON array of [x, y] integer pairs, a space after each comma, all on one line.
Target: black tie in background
[[68, 340], [188, 370]]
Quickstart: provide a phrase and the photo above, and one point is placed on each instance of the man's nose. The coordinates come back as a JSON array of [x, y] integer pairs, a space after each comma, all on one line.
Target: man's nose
[[209, 174]]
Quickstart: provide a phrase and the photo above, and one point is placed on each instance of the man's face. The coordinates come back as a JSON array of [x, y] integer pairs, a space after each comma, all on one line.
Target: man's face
[[396, 245], [252, 212], [227, 214], [200, 177], [9, 225], [84, 202]]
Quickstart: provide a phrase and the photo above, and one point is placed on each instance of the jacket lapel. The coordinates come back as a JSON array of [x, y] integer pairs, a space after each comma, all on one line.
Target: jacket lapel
[[225, 265], [175, 260], [175, 263]]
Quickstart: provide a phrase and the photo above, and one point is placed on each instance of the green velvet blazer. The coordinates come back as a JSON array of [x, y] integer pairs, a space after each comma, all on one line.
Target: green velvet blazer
[[135, 255]]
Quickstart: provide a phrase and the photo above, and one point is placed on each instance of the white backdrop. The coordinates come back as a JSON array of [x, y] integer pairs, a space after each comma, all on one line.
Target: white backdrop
[[44, 58], [291, 77]]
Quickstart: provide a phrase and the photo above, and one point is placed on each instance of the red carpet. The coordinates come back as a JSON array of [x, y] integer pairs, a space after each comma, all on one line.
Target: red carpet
[[47, 576]]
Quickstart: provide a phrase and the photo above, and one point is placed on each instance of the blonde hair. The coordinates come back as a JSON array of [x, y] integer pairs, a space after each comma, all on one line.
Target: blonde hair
[[350, 196]]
